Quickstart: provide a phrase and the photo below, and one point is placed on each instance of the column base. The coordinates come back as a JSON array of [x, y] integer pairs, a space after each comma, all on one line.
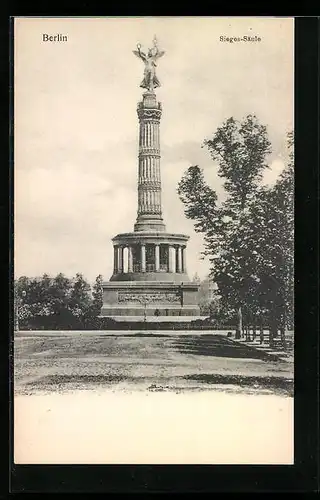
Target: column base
[[149, 223], [151, 276]]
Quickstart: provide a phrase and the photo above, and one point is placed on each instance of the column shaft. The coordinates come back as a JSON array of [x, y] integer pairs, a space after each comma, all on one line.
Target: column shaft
[[115, 259], [179, 259], [149, 201], [130, 262], [170, 260], [157, 258], [120, 259], [184, 264], [143, 258]]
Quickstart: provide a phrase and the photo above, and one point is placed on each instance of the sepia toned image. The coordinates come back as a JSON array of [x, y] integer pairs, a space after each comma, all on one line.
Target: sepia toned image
[[153, 240]]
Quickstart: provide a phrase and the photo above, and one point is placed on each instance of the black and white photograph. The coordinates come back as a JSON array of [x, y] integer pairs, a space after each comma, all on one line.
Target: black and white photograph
[[153, 240]]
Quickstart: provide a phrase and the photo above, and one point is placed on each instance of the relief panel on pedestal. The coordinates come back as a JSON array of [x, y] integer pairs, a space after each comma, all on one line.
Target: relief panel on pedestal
[[149, 297]]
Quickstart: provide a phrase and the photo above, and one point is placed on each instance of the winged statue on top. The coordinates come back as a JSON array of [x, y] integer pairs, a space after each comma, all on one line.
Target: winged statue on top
[[150, 80]]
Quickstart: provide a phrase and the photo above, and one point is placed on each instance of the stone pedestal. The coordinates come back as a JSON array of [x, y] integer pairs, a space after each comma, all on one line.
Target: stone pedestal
[[153, 298]]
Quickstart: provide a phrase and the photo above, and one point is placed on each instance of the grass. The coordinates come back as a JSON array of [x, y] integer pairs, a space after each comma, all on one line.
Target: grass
[[64, 362]]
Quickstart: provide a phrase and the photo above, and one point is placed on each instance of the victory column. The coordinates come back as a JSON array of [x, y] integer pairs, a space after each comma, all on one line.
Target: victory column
[[149, 273]]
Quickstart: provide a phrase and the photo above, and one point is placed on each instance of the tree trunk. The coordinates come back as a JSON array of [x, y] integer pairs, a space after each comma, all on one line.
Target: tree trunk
[[247, 333], [283, 336], [273, 331], [16, 317], [261, 331], [239, 327], [283, 330], [254, 331], [16, 323]]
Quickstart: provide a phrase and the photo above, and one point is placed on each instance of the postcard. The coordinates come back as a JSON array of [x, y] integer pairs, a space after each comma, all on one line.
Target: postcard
[[153, 212]]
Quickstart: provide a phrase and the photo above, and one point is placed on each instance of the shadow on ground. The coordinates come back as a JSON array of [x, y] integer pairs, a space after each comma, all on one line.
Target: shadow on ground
[[220, 346]]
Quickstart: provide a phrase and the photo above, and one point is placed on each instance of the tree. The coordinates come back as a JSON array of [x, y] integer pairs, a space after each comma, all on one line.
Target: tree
[[46, 306], [97, 296], [240, 149], [60, 294], [208, 301], [249, 237], [21, 285], [198, 198], [285, 194], [22, 310], [55, 302], [80, 300], [277, 252], [38, 296]]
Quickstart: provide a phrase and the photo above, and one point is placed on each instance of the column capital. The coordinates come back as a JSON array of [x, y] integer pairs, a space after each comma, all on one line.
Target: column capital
[[149, 114]]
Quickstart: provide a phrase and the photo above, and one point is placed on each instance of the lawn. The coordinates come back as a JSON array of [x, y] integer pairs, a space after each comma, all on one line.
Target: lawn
[[93, 360]]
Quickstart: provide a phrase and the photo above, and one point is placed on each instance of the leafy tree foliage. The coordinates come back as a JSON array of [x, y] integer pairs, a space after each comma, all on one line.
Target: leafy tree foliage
[[208, 300], [249, 236], [56, 302], [80, 296], [240, 148], [97, 295]]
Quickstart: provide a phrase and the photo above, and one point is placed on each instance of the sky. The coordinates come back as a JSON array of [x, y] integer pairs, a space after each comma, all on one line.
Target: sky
[[76, 127]]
